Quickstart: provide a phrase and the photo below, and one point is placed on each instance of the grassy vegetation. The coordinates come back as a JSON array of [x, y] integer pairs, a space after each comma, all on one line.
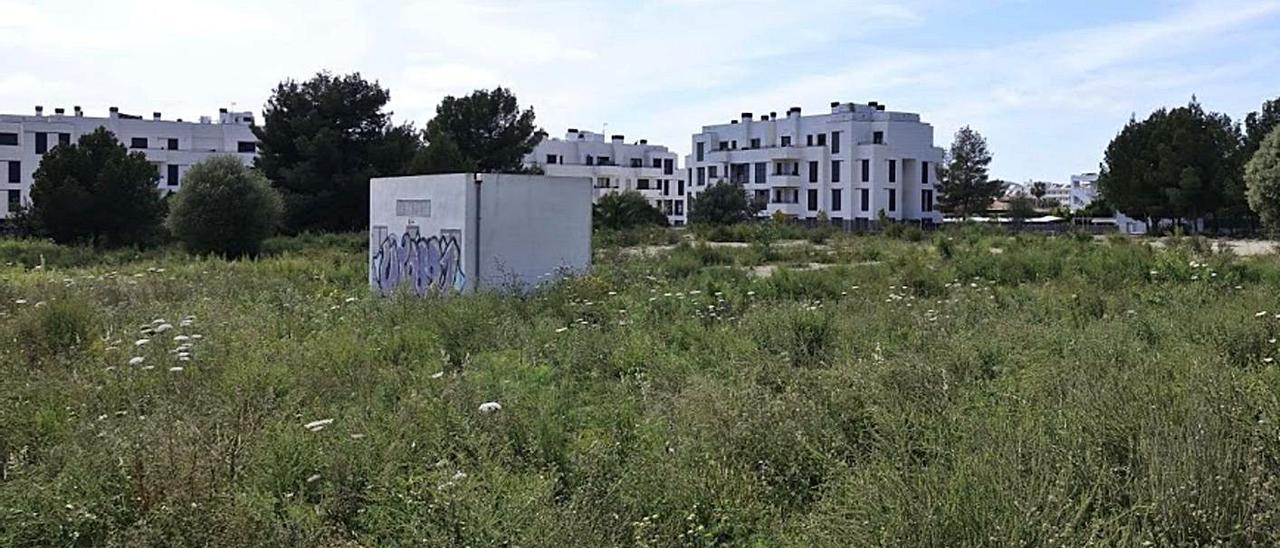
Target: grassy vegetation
[[964, 388]]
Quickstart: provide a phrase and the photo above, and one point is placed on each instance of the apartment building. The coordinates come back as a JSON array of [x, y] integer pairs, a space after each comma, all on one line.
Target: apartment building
[[172, 145], [614, 165], [851, 164]]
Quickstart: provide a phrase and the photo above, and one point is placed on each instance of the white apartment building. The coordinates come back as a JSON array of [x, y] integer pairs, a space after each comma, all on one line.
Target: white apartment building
[[1081, 192], [172, 145], [850, 164], [616, 166]]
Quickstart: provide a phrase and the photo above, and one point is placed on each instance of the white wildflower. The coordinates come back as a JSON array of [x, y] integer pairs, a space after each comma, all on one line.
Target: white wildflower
[[562, 329], [163, 327], [350, 300], [136, 360], [141, 342], [1260, 314], [490, 407], [175, 369], [316, 426], [181, 338]]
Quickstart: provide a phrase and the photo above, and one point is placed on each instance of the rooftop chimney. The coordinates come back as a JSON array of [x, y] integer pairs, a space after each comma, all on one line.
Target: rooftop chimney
[[793, 110], [835, 104], [880, 107], [773, 116], [746, 117], [872, 104], [59, 111], [644, 141], [155, 115], [222, 111], [617, 138], [573, 130], [79, 112], [115, 112], [733, 121], [39, 110], [764, 117]]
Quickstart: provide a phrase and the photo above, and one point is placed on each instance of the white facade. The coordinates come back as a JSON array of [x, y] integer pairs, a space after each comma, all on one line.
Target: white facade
[[616, 166], [172, 145], [463, 231], [850, 164]]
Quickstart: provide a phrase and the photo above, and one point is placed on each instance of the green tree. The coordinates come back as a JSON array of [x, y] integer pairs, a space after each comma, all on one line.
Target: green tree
[[322, 140], [722, 204], [482, 132], [224, 208], [1258, 125], [963, 184], [1021, 208], [1177, 164], [622, 210], [1039, 189], [1262, 178], [98, 192]]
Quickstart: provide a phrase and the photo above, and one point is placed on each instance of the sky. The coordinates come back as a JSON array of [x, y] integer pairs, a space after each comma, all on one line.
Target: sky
[[1049, 83]]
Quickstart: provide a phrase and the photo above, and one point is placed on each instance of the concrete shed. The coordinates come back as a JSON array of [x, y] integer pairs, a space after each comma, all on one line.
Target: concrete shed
[[466, 231]]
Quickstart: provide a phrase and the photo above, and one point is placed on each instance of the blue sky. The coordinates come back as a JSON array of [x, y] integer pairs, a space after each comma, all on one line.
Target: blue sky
[[1048, 83]]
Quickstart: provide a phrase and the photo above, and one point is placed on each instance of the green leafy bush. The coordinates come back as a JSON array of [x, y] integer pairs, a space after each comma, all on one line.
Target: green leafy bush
[[224, 208]]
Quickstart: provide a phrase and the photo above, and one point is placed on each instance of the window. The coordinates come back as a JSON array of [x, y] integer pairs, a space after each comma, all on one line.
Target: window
[[926, 200], [762, 169], [604, 161], [755, 143], [733, 145], [813, 199], [637, 162], [866, 171], [761, 196], [893, 199], [172, 144], [657, 162], [679, 188], [64, 139], [893, 171], [808, 140], [591, 161], [173, 175], [15, 172], [835, 142], [711, 172], [642, 184], [668, 166], [786, 140], [877, 138], [666, 187], [9, 139], [42, 143], [602, 182], [813, 172], [865, 199], [15, 200], [413, 208], [702, 176], [835, 171], [138, 142], [697, 155], [924, 173], [551, 159], [822, 139], [680, 207], [835, 199], [248, 147]]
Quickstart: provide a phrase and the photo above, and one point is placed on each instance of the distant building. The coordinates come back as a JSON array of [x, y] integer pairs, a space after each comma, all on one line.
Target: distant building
[[616, 166], [463, 231], [851, 164], [172, 145]]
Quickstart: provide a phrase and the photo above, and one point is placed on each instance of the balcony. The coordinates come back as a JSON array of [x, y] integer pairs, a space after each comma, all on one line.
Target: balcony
[[787, 180]]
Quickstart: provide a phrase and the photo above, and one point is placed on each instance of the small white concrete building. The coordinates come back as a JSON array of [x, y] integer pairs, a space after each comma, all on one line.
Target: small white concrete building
[[616, 166], [851, 164], [468, 231], [172, 145]]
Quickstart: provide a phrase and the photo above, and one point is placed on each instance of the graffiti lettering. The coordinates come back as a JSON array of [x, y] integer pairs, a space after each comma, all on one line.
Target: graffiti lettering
[[422, 264]]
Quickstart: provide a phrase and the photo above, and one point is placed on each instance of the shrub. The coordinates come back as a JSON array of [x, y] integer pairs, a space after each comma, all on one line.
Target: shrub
[[59, 327], [224, 208], [1262, 177], [624, 210], [722, 204]]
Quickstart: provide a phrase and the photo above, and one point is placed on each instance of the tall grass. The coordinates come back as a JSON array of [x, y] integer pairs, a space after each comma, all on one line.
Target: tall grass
[[971, 388]]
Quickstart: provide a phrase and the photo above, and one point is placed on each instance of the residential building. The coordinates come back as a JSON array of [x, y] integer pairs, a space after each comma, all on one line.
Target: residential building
[[616, 166], [466, 231], [1081, 192], [172, 145], [852, 164]]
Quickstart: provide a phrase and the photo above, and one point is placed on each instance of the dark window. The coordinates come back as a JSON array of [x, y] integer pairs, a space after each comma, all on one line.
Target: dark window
[[926, 200], [668, 166], [761, 195], [813, 199], [551, 159], [636, 162], [173, 175], [755, 143], [813, 172], [808, 140], [866, 170], [723, 145], [247, 147], [64, 139], [822, 139], [679, 188], [42, 143], [657, 162], [893, 199], [786, 140], [15, 200], [835, 171], [712, 171], [733, 145], [666, 187], [15, 172], [642, 184], [138, 142], [702, 176], [604, 160], [835, 199], [173, 144], [9, 139], [762, 168], [697, 155], [590, 160], [835, 142], [924, 173], [877, 138], [679, 207], [893, 171], [865, 198]]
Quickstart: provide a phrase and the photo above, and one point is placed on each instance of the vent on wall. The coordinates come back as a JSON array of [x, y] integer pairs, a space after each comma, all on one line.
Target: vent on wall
[[413, 208]]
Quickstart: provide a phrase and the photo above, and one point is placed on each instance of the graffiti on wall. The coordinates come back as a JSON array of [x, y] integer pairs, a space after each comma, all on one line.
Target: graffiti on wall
[[433, 263]]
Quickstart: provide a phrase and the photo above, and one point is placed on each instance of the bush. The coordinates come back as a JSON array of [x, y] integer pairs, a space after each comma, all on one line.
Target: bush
[[624, 210], [224, 208], [55, 328], [1262, 177], [722, 204]]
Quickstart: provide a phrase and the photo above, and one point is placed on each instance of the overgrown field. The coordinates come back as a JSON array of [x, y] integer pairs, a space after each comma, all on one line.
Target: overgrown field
[[963, 389]]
